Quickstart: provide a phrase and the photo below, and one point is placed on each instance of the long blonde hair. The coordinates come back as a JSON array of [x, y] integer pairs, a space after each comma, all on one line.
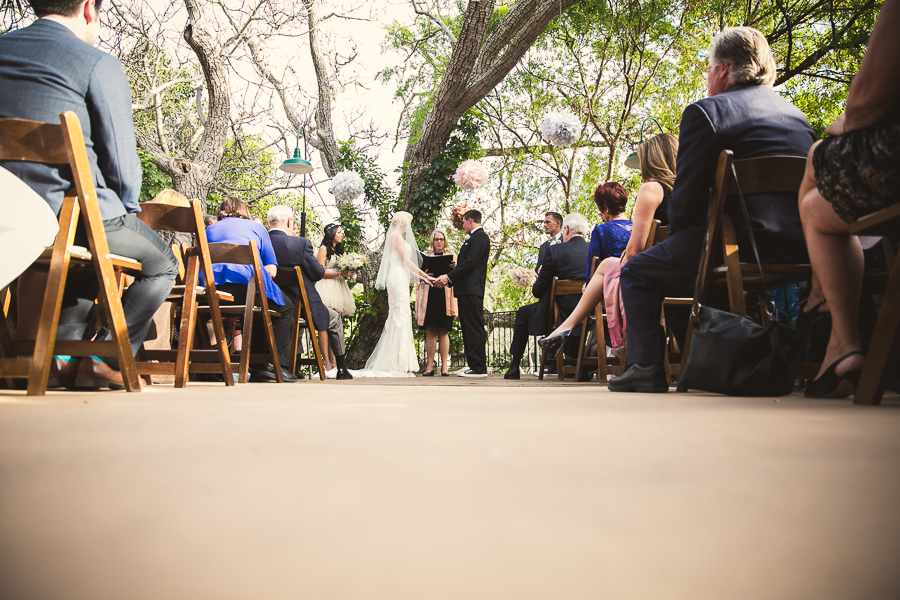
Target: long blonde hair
[[657, 156]]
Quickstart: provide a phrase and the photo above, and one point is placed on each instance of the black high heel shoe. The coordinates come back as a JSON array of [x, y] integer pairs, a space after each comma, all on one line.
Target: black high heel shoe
[[832, 385], [805, 318], [554, 344]]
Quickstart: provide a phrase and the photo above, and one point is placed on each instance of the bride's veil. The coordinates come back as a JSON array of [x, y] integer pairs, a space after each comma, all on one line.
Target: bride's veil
[[400, 221]]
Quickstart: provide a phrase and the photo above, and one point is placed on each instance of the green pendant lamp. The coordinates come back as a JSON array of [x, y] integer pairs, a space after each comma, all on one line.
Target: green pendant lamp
[[298, 165], [633, 162]]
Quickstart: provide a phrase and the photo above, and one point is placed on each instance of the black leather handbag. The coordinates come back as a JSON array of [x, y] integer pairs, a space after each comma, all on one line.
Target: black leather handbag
[[733, 355]]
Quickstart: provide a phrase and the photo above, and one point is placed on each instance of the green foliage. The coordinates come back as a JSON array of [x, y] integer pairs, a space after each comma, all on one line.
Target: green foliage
[[427, 202], [154, 181], [377, 194]]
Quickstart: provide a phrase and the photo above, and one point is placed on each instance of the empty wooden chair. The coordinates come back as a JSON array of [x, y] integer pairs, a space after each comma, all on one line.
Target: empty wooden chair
[[562, 287], [187, 292], [64, 144]]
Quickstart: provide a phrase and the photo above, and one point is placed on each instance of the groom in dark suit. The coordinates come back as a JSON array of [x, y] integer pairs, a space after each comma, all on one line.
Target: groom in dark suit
[[566, 261], [467, 280], [291, 251]]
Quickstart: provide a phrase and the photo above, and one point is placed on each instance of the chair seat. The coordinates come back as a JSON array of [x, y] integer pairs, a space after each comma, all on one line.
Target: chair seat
[[81, 256]]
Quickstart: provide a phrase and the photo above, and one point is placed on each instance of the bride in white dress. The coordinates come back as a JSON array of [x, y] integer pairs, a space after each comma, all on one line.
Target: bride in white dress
[[395, 353]]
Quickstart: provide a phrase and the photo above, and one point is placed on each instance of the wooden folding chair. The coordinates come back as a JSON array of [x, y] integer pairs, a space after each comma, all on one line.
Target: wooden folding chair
[[612, 365], [562, 287], [185, 359], [885, 345], [64, 144], [302, 320], [254, 302], [766, 174]]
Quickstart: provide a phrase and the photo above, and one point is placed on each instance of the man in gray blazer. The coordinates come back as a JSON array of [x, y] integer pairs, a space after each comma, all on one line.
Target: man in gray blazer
[[50, 67]]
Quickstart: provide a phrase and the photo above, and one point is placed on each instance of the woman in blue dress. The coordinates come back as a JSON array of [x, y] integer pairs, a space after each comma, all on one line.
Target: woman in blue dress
[[610, 238]]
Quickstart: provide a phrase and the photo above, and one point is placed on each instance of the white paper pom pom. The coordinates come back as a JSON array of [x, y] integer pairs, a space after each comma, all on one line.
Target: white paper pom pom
[[470, 174], [347, 186], [560, 129]]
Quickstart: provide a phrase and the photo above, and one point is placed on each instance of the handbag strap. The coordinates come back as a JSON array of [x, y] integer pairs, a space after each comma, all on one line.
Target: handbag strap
[[749, 227], [695, 307]]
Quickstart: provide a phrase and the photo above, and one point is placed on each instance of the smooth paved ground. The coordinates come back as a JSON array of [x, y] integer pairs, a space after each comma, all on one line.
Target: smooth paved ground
[[453, 490]]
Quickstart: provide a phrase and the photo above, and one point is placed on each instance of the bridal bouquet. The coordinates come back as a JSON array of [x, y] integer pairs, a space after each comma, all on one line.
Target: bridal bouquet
[[351, 261], [523, 276]]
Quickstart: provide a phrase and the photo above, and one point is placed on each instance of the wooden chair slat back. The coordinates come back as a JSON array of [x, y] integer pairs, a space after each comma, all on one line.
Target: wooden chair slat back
[[568, 287], [180, 258], [651, 235], [238, 254], [165, 217], [767, 174], [32, 141]]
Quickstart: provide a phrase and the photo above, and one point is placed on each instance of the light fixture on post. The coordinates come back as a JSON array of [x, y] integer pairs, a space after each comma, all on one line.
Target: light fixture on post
[[633, 162], [298, 165]]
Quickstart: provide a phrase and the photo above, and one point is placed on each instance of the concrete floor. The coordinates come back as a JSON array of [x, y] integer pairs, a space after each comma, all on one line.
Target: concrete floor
[[323, 490]]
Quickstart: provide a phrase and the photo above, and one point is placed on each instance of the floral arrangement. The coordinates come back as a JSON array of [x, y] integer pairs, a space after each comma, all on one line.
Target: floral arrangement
[[470, 174], [560, 129], [523, 276], [347, 186], [456, 214], [350, 261]]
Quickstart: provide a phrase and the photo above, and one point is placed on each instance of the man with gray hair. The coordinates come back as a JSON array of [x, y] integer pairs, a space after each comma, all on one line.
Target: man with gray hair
[[565, 261], [741, 113], [291, 251]]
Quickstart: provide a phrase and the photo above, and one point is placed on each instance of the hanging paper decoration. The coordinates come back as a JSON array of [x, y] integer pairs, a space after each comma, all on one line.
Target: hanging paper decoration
[[347, 186], [470, 174], [560, 129], [456, 214]]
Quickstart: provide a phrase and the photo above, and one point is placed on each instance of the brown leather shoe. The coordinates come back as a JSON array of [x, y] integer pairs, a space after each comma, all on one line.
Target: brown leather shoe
[[96, 374], [62, 373]]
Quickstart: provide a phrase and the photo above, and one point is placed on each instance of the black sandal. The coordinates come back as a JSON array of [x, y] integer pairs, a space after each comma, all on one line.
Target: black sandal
[[832, 385], [428, 373]]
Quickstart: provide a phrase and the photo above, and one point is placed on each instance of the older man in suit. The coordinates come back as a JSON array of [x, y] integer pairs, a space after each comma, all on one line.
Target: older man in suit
[[292, 251], [742, 113], [468, 281], [565, 261], [50, 67]]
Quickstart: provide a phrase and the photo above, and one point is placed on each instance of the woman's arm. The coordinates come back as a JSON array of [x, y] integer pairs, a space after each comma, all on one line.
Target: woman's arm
[[593, 250], [272, 270], [650, 196], [321, 256], [877, 83], [403, 249]]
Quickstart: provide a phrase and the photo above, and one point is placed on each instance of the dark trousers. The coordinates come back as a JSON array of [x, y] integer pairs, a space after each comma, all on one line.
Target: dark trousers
[[521, 327], [471, 321], [281, 324], [126, 236], [663, 270]]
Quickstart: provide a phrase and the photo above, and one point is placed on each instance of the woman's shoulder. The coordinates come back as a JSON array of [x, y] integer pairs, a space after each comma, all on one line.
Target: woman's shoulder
[[651, 189]]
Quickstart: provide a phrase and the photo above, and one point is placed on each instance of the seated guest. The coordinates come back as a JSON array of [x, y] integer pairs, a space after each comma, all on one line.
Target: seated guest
[[553, 228], [292, 251], [209, 220], [744, 114], [610, 237], [50, 67], [563, 261], [854, 172], [234, 226], [657, 158]]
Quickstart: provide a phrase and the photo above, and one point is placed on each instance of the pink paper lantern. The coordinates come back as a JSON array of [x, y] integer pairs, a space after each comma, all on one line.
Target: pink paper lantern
[[470, 175]]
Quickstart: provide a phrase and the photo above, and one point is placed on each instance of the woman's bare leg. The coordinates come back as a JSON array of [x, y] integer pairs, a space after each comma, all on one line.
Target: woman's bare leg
[[593, 295], [430, 347], [837, 261], [325, 350], [444, 342]]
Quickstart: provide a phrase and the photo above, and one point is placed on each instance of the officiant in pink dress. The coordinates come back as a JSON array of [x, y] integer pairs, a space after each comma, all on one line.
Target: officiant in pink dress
[[435, 309]]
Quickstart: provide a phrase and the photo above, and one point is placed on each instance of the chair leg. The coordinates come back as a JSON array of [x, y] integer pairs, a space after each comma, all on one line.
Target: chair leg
[[188, 323], [885, 345]]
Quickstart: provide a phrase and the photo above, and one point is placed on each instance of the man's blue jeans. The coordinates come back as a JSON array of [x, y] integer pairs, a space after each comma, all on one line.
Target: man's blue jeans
[[127, 236]]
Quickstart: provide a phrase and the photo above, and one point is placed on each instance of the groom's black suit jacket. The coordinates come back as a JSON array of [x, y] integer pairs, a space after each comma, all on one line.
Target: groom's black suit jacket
[[468, 278]]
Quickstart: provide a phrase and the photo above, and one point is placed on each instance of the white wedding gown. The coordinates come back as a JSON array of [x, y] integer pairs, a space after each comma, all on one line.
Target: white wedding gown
[[395, 352]]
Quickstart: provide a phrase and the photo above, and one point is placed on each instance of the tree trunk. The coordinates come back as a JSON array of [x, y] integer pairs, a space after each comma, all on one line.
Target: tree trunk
[[480, 60]]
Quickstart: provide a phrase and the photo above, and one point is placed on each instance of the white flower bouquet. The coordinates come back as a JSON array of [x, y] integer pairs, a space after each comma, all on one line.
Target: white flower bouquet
[[523, 276], [351, 261]]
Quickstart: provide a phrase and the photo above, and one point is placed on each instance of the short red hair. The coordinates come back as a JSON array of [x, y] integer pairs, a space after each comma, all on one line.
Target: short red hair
[[612, 197]]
